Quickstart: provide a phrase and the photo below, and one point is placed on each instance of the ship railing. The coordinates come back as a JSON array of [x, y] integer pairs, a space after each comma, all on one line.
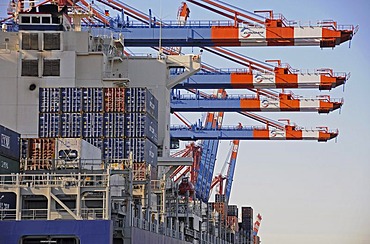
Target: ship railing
[[6, 213], [33, 214], [92, 213], [54, 180], [61, 164]]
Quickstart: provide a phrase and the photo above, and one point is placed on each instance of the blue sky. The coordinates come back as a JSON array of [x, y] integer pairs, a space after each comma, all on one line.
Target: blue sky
[[306, 192]]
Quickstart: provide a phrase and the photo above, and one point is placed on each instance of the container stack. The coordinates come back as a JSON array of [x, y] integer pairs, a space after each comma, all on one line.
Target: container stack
[[247, 219], [122, 122], [9, 151], [220, 207], [220, 198], [232, 217]]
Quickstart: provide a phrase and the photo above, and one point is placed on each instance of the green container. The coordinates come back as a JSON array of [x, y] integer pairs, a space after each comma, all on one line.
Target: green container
[[8, 166]]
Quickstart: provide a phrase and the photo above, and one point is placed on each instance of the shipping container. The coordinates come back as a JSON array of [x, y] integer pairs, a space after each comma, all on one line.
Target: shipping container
[[60, 153], [71, 125], [8, 166], [49, 125], [232, 222], [97, 142], [141, 125], [114, 125], [113, 149], [71, 99], [37, 153], [143, 151], [10, 143], [92, 125], [92, 99], [114, 99], [232, 210], [77, 153], [247, 224], [49, 100], [247, 212], [220, 198], [141, 100]]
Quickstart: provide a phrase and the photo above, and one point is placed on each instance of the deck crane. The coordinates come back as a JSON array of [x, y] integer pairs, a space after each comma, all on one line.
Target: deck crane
[[256, 227]]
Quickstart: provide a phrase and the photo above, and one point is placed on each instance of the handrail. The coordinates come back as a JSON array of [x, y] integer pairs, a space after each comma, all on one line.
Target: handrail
[[249, 96], [55, 180], [249, 128], [319, 71]]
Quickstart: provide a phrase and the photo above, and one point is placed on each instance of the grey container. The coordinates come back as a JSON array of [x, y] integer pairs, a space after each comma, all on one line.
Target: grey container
[[138, 125], [10, 143], [141, 100], [143, 151]]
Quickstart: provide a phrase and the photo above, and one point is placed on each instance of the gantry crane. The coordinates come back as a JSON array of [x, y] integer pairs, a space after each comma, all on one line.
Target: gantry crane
[[261, 75], [263, 101], [242, 29]]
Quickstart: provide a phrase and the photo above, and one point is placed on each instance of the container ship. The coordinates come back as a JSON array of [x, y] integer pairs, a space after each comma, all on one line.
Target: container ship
[[87, 144]]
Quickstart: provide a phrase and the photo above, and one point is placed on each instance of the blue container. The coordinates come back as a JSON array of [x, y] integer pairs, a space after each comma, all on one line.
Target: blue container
[[92, 100], [10, 143], [143, 151], [92, 125], [113, 149], [71, 100], [49, 100], [71, 125], [141, 100], [114, 125], [49, 125], [8, 166], [140, 125]]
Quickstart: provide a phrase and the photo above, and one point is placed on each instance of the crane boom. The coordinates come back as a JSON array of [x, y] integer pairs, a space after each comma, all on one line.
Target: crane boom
[[231, 170]]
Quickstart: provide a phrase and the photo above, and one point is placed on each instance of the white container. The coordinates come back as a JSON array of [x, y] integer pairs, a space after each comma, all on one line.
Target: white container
[[76, 153]]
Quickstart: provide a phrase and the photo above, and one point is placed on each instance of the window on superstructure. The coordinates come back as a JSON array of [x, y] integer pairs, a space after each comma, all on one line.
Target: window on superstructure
[[25, 20], [46, 20], [51, 67], [35, 20], [51, 41], [30, 41], [30, 67]]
